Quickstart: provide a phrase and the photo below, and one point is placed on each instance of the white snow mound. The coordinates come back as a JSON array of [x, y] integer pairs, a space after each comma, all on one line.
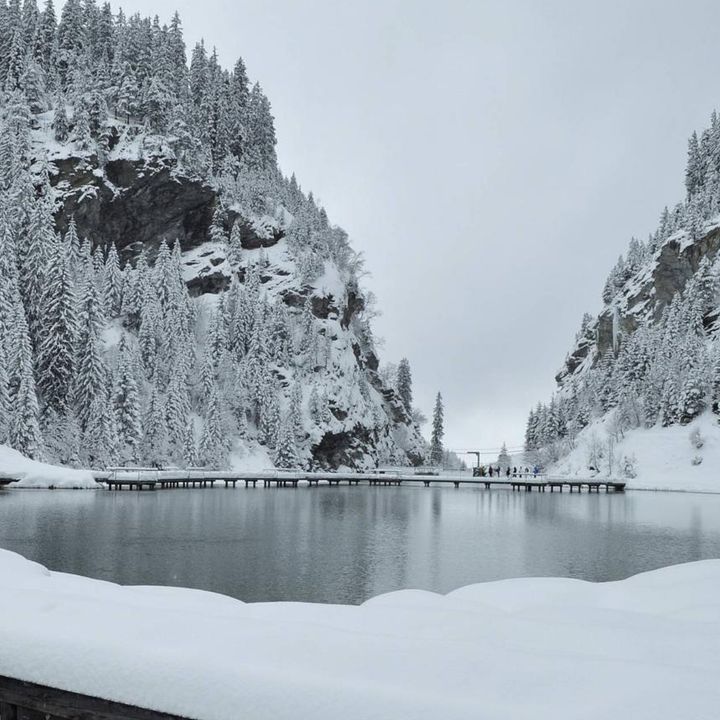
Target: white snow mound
[[33, 474], [529, 649]]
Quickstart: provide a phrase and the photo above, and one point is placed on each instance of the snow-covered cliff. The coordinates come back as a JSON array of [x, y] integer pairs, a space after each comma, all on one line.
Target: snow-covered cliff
[[651, 357], [171, 297]]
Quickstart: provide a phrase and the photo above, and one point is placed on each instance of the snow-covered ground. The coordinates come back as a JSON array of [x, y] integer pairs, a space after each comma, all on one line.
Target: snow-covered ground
[[253, 458], [663, 458], [645, 648], [34, 474]]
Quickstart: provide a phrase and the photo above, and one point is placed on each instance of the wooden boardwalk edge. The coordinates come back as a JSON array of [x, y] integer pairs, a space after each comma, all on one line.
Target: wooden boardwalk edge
[[22, 700]]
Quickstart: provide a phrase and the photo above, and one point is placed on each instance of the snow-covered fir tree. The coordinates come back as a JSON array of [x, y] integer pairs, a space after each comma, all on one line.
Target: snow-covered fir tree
[[404, 383], [438, 432]]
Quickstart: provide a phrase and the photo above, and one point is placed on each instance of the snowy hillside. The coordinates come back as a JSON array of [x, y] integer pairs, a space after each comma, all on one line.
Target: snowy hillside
[[678, 457], [651, 359], [168, 295]]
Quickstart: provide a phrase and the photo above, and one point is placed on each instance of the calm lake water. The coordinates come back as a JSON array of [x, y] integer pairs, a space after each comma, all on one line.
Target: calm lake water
[[345, 545]]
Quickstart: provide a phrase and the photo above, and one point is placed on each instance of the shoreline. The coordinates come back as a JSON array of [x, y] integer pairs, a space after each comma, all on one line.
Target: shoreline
[[628, 489]]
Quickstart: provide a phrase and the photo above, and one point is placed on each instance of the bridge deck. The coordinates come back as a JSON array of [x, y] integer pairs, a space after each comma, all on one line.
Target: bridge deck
[[167, 479]]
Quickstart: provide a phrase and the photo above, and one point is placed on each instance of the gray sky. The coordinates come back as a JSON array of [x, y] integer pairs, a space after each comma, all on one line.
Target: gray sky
[[491, 159]]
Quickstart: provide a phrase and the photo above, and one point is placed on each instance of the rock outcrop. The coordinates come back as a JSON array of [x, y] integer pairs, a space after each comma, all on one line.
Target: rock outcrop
[[644, 297], [132, 203]]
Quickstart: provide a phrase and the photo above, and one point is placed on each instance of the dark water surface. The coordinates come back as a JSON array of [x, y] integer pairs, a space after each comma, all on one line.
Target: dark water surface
[[348, 544]]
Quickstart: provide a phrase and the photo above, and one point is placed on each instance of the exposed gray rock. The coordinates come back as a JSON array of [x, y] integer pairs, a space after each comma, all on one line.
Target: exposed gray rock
[[645, 296], [133, 202]]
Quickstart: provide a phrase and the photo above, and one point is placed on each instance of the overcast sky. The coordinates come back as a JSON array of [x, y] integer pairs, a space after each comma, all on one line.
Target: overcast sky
[[491, 159]]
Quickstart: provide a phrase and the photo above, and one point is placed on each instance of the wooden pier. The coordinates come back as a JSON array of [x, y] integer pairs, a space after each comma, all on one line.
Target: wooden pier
[[149, 479]]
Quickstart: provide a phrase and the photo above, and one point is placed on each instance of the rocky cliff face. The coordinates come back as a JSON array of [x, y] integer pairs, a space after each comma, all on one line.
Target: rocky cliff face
[[132, 204], [643, 298], [137, 203]]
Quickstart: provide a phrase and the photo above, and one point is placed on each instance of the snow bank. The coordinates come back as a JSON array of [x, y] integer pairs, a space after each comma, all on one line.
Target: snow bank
[[664, 458], [33, 474], [645, 648]]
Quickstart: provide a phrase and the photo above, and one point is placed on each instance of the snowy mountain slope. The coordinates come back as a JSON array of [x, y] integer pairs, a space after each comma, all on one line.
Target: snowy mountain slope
[[171, 297], [652, 355]]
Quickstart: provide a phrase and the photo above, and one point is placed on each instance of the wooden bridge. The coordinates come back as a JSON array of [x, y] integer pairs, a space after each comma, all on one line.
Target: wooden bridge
[[150, 479]]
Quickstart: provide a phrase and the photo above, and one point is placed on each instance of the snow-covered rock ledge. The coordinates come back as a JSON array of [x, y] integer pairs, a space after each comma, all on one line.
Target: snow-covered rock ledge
[[643, 648], [33, 474]]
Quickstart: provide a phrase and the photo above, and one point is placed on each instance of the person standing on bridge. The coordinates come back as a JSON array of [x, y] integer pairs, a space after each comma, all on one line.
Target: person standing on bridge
[[490, 470]]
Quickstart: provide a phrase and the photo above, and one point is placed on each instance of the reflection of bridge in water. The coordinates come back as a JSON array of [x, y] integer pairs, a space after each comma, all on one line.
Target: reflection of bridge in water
[[147, 479]]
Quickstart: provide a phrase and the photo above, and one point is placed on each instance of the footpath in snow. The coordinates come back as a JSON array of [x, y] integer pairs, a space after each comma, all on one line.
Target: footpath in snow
[[645, 648]]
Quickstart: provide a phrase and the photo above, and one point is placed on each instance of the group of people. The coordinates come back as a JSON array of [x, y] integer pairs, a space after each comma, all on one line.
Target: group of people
[[516, 472]]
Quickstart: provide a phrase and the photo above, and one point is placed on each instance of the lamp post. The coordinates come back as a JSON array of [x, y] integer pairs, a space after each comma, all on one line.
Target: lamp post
[[476, 453]]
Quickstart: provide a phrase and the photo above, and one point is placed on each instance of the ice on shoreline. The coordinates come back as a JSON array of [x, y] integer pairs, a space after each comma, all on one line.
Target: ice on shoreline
[[642, 648]]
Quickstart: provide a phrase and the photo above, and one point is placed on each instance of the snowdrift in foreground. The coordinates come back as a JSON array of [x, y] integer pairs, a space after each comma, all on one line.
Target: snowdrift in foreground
[[33, 474], [664, 458], [528, 649]]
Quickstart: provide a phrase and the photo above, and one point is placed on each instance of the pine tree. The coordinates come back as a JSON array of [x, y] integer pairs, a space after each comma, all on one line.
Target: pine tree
[[100, 436], [47, 44], [693, 173], [269, 414], [34, 86], [5, 406], [214, 444], [58, 322], [296, 412], [128, 96], [436, 440], [60, 125], [503, 460], [217, 227], [81, 135], [154, 446], [127, 409], [190, 456], [91, 374], [260, 150], [285, 455], [177, 410], [404, 384], [112, 283], [531, 432], [24, 433], [234, 246]]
